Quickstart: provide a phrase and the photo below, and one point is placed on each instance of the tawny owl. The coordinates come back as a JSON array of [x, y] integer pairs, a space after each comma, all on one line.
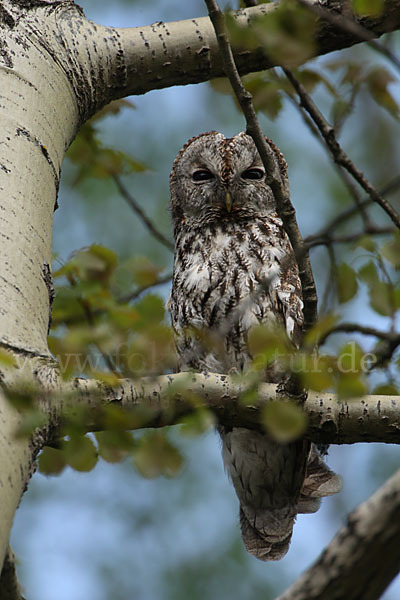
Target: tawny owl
[[234, 268]]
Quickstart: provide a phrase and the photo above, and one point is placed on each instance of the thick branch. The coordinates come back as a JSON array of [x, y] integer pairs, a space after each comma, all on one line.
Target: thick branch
[[363, 558], [105, 63], [162, 401], [189, 51]]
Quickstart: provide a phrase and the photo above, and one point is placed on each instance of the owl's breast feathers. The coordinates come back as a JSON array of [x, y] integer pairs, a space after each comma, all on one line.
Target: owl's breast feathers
[[227, 278]]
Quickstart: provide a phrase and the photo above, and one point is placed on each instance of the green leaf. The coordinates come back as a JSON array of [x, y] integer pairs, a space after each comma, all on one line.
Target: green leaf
[[22, 397], [367, 242], [155, 456], [351, 385], [382, 299], [350, 359], [285, 421], [310, 79], [368, 8], [221, 85], [6, 358], [323, 325], [51, 461], [368, 273], [316, 371], [80, 453], [151, 311], [114, 446], [386, 389], [267, 95], [151, 351], [378, 80], [391, 251], [346, 283], [197, 422], [143, 271]]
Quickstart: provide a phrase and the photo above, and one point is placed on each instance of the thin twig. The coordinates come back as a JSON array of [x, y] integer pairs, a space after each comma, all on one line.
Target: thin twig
[[133, 295], [142, 215], [268, 156], [338, 155], [328, 240], [348, 214], [363, 329], [385, 352], [389, 341]]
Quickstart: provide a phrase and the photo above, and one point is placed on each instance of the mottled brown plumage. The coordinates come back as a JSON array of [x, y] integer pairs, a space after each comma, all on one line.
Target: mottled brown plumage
[[234, 268]]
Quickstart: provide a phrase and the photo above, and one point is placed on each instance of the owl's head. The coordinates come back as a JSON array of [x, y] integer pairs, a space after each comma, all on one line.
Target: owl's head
[[218, 179]]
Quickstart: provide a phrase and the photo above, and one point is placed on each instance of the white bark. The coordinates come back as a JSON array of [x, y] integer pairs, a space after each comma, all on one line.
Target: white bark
[[363, 557], [161, 401], [16, 467], [38, 120]]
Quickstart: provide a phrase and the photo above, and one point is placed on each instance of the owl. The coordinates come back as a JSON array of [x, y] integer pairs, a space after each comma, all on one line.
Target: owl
[[234, 268]]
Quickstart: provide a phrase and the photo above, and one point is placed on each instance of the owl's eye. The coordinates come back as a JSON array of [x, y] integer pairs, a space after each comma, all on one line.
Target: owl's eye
[[253, 173], [202, 175]]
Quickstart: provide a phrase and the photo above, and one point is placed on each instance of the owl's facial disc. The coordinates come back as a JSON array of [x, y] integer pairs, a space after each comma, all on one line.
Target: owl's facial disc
[[217, 179]]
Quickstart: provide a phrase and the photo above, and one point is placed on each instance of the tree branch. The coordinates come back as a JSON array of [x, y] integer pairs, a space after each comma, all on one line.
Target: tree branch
[[364, 556], [162, 401], [278, 185], [338, 155], [158, 235], [327, 240], [202, 62], [348, 214], [117, 62], [133, 295], [363, 329]]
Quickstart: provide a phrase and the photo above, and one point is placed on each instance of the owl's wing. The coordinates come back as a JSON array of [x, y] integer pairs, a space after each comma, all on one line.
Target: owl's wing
[[319, 482]]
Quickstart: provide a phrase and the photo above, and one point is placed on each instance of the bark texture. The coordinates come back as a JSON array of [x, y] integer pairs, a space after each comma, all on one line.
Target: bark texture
[[363, 557], [161, 401]]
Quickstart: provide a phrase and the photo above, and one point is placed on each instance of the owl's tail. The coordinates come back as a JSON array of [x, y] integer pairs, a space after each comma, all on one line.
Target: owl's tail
[[274, 482], [267, 534]]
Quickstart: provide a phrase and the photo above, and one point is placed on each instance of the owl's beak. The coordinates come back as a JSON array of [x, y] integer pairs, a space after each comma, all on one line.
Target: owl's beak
[[228, 201]]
